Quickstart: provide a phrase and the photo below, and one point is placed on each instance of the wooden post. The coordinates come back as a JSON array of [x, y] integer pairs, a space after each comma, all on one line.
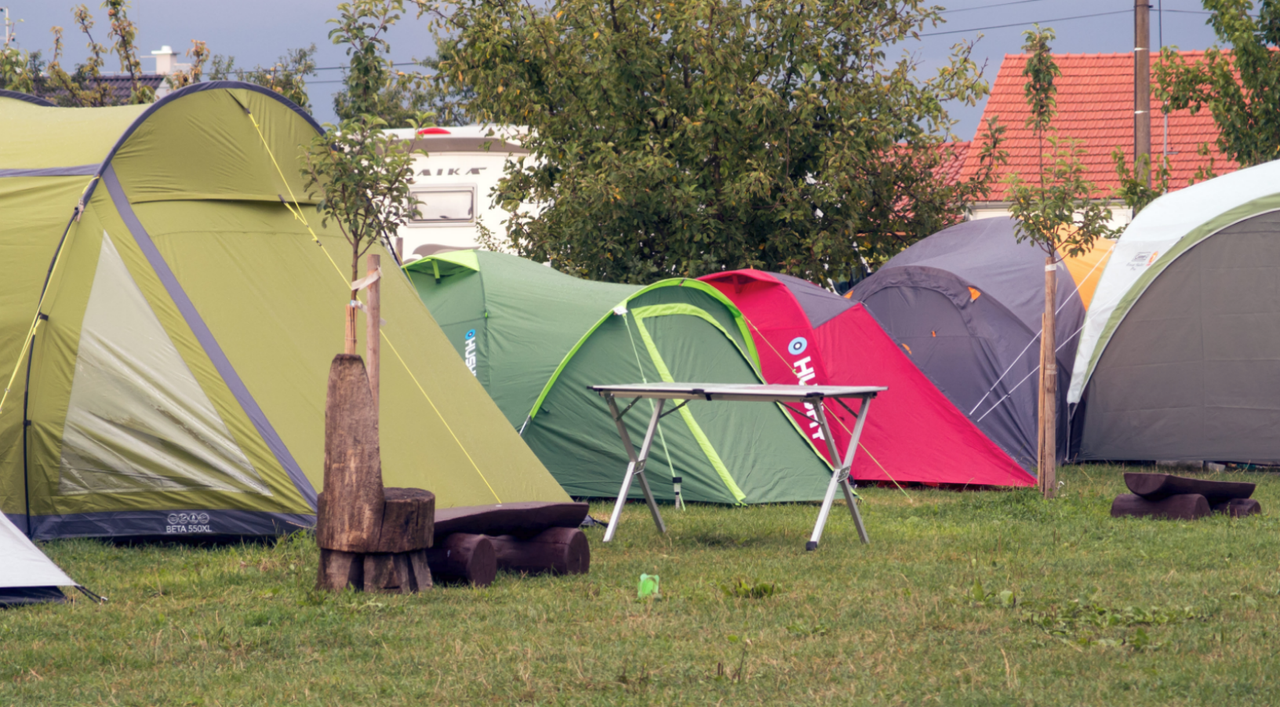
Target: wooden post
[[371, 538], [372, 340], [350, 516], [1047, 471], [1142, 88]]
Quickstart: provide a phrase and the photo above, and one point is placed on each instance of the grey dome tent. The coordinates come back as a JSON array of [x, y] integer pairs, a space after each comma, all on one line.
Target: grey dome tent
[[966, 303], [1180, 354]]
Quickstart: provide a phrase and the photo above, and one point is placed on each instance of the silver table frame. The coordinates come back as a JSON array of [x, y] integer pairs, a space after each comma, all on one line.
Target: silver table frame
[[663, 392]]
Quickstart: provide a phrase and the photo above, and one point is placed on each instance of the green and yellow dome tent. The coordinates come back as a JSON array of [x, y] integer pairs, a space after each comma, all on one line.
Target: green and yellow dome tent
[[170, 303], [543, 337]]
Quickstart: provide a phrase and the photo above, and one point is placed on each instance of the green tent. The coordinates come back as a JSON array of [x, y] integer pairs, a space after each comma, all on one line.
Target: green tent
[[512, 320], [548, 336], [169, 316]]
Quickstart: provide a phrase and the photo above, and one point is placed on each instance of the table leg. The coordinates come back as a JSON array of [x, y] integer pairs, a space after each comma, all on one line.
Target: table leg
[[840, 477], [634, 468]]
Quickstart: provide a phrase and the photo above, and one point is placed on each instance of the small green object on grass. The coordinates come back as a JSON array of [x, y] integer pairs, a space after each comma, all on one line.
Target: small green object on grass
[[649, 587]]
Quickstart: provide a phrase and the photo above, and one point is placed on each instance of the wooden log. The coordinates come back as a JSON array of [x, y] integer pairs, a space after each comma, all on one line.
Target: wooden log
[[463, 557], [519, 519], [1189, 506], [1156, 486], [350, 518], [1238, 507], [339, 570], [408, 521], [556, 550]]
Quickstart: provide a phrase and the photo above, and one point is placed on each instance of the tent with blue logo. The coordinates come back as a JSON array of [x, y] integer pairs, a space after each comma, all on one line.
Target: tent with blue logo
[[537, 339]]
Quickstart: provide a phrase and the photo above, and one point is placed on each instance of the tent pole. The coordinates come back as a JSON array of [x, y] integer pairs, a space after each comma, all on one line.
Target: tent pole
[[26, 424]]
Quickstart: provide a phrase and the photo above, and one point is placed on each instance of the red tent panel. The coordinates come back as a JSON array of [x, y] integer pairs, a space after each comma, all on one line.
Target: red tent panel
[[810, 336]]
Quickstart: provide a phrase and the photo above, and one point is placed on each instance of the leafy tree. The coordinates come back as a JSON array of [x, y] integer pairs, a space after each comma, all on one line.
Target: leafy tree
[[19, 69], [83, 85], [1134, 190], [686, 138], [373, 86], [1240, 86], [198, 53], [286, 77], [446, 101], [1057, 212]]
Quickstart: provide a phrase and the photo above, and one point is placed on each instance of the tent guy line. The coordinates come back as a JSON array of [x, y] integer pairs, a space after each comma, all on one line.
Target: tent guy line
[[296, 210], [1075, 290]]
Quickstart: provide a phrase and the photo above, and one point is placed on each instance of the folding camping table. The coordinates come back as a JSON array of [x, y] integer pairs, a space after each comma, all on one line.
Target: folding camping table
[[812, 394]]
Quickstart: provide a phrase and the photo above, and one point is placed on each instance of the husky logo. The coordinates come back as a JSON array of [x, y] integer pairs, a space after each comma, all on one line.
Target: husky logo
[[469, 350], [188, 523], [805, 374]]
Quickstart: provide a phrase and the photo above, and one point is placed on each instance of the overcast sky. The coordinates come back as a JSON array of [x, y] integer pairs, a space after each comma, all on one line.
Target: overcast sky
[[259, 31]]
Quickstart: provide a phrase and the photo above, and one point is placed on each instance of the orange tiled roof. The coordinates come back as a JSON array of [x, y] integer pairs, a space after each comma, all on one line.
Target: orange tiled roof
[[949, 170], [1095, 106]]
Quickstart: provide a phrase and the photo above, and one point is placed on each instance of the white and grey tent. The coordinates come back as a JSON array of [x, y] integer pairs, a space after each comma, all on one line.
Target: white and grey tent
[[27, 576], [1179, 358]]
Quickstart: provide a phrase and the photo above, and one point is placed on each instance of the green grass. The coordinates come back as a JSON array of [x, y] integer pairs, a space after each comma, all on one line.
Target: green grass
[[962, 598]]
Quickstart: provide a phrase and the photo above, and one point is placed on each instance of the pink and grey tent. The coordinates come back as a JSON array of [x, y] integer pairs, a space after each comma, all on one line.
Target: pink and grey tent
[[913, 433], [966, 304]]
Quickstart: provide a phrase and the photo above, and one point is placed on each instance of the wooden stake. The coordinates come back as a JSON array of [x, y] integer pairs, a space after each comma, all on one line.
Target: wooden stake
[[399, 250], [1049, 383], [372, 338]]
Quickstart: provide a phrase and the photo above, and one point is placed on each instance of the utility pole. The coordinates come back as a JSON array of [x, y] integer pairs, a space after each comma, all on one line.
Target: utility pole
[[1142, 88], [7, 34]]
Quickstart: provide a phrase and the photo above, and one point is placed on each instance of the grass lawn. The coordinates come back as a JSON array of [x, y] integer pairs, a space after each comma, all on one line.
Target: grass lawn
[[962, 598]]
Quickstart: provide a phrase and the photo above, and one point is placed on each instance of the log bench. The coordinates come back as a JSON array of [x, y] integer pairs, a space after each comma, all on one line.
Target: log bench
[[1182, 498], [533, 538]]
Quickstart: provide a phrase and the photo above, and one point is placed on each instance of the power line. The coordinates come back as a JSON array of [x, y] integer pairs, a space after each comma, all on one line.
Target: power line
[[337, 68], [983, 7], [1024, 24]]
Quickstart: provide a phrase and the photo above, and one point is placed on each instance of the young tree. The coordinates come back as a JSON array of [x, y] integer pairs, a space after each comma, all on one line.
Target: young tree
[[373, 85], [1059, 213], [286, 77], [361, 173], [1240, 86], [362, 176], [685, 138]]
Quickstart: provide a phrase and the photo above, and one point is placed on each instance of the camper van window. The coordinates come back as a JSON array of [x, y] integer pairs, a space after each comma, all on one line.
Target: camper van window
[[445, 206]]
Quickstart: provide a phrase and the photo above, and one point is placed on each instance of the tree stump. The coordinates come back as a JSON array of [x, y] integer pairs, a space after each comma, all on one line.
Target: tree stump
[[371, 538]]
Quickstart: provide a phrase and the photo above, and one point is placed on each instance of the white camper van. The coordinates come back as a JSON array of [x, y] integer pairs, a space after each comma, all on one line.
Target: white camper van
[[453, 182]]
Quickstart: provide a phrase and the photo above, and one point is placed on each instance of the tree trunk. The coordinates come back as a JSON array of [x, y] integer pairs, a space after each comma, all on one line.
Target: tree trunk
[[1047, 476]]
